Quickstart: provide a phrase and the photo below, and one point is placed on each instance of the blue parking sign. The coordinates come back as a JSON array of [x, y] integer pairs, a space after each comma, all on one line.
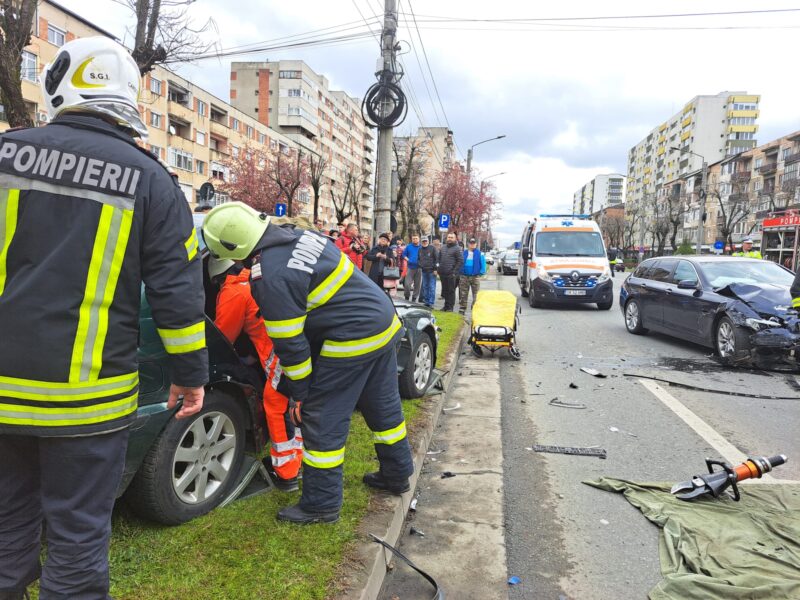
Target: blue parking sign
[[719, 245], [280, 209], [444, 221]]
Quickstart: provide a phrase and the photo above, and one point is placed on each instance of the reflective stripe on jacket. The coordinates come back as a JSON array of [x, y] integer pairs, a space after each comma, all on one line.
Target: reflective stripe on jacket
[[85, 216], [326, 306]]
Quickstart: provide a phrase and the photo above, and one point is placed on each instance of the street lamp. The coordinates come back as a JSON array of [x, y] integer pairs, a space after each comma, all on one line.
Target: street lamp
[[469, 152], [701, 194]]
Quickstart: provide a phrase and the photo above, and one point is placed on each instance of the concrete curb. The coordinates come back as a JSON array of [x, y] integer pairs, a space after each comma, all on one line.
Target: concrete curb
[[376, 558]]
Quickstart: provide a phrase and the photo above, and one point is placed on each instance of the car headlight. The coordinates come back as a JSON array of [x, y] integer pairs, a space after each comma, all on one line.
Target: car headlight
[[604, 276], [759, 324], [543, 275]]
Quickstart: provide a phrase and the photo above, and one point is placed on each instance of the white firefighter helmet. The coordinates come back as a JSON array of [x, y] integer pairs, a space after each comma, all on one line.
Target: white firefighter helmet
[[94, 74]]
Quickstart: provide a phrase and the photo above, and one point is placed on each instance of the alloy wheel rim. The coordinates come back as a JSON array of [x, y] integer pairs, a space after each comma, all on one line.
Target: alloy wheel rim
[[422, 366], [632, 316], [203, 460], [726, 340]]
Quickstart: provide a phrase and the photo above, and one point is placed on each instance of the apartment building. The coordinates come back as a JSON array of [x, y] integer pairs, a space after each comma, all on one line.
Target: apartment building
[[708, 128], [435, 152], [192, 130], [600, 192], [290, 97]]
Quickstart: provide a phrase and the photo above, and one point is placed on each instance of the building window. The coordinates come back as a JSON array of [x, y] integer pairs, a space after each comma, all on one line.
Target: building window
[[294, 93], [256, 93], [201, 167], [249, 132], [187, 190], [201, 138], [156, 151], [155, 86], [155, 120], [29, 66], [202, 108], [262, 138], [758, 163], [235, 151], [55, 35], [235, 125], [785, 152], [180, 159], [289, 74]]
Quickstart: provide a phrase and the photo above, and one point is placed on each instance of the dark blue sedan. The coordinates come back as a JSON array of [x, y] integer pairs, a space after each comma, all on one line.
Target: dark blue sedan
[[740, 307]]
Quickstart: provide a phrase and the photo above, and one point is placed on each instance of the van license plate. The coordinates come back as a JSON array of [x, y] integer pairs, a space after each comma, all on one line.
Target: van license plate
[[574, 292]]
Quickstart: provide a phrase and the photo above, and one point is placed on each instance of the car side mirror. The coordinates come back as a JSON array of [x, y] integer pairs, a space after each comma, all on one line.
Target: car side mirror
[[688, 284], [526, 254]]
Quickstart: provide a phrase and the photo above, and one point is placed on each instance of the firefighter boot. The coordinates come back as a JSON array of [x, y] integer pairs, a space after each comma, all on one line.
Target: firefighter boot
[[377, 481], [296, 514]]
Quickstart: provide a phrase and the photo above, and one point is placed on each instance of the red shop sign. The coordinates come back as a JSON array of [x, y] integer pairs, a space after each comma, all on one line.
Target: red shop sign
[[782, 221]]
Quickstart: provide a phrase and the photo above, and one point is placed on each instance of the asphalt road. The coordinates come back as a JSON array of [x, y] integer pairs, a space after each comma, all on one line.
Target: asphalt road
[[565, 539]]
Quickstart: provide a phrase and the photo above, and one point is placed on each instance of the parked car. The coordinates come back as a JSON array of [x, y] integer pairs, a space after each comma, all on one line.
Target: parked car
[[489, 258], [508, 264], [740, 307], [178, 470]]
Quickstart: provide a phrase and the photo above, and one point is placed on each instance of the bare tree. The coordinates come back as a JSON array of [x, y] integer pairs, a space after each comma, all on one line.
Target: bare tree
[[289, 171], [345, 197], [633, 216], [675, 209], [166, 33], [317, 167], [410, 171], [16, 23], [733, 209], [613, 228]]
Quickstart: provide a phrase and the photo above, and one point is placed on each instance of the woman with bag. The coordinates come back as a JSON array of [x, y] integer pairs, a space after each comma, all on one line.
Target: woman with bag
[[383, 270]]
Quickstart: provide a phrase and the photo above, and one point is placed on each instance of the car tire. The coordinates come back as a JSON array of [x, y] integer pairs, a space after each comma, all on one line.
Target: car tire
[[731, 343], [418, 373], [633, 318], [605, 305], [164, 488]]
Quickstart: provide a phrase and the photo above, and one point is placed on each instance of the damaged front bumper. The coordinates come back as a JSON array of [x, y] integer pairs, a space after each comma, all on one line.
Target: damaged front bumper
[[775, 347]]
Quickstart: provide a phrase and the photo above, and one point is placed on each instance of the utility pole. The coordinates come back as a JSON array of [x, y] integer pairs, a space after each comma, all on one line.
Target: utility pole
[[383, 200], [469, 161]]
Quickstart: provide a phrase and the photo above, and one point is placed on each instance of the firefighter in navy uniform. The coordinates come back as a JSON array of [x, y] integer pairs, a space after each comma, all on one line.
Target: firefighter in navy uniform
[[335, 334], [795, 291], [85, 216]]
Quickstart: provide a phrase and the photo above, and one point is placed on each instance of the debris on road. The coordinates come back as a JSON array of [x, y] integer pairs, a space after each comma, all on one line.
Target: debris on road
[[449, 408], [598, 452], [439, 591], [514, 580], [593, 372], [604, 522], [448, 474], [414, 531], [565, 404], [618, 430], [696, 388], [716, 482], [413, 506], [572, 386]]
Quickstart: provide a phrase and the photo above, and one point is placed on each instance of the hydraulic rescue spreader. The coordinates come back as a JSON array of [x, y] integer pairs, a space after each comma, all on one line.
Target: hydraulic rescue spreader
[[716, 482]]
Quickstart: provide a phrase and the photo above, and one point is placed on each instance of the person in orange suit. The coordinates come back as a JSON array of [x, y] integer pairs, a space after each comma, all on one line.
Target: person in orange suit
[[238, 312]]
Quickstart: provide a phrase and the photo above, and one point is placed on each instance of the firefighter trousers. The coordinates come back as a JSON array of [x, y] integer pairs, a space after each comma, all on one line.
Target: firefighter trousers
[[338, 387], [286, 447], [70, 483]]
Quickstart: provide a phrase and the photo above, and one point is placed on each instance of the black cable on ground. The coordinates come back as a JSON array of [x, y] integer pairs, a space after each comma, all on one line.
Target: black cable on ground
[[697, 388]]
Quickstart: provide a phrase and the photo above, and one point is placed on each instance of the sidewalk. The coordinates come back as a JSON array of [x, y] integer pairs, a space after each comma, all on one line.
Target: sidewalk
[[461, 517]]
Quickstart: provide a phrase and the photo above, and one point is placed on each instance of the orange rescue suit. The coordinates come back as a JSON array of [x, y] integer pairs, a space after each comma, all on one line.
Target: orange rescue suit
[[237, 311]]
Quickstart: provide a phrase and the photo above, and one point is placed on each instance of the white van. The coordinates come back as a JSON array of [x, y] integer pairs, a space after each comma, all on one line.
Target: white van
[[563, 260]]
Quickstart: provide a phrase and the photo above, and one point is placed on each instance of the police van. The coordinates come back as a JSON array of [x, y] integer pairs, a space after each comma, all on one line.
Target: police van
[[563, 260]]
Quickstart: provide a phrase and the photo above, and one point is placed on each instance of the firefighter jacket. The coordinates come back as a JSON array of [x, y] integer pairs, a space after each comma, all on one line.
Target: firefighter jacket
[[317, 305], [795, 290], [237, 311], [85, 217]]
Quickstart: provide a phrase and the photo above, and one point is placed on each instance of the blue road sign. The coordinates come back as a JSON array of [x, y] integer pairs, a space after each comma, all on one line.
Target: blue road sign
[[718, 245], [444, 221], [280, 209]]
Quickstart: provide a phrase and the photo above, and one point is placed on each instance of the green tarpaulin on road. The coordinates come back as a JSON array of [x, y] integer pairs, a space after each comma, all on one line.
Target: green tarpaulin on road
[[721, 549]]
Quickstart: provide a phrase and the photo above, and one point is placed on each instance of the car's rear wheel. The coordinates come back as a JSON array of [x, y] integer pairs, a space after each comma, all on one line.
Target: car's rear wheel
[[633, 318], [730, 342], [417, 375], [193, 464]]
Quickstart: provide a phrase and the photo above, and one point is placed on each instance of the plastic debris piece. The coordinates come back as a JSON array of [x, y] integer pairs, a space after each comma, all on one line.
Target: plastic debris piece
[[413, 506], [565, 404], [449, 408], [573, 386], [514, 580], [528, 448], [618, 430], [604, 522], [592, 372], [591, 451], [415, 531], [434, 452], [448, 474]]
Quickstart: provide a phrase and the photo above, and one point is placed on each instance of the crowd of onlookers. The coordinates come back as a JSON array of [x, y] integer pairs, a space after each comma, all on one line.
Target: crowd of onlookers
[[388, 260]]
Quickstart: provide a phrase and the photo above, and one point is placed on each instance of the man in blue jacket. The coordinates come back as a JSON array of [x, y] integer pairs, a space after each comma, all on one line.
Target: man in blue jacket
[[413, 272], [474, 268]]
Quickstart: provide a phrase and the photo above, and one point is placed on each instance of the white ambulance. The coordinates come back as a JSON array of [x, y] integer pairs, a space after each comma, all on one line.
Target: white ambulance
[[563, 260]]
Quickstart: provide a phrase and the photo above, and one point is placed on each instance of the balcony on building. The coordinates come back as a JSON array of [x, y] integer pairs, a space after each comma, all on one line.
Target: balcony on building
[[219, 120], [769, 167], [179, 101], [793, 157], [740, 176], [179, 127]]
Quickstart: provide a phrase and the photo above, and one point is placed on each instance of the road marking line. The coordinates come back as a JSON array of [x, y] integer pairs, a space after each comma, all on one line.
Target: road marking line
[[723, 447]]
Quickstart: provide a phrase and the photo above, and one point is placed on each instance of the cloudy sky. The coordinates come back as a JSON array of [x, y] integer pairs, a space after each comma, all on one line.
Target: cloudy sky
[[572, 96]]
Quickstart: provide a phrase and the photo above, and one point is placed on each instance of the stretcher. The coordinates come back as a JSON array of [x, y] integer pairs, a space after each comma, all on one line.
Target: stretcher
[[494, 323]]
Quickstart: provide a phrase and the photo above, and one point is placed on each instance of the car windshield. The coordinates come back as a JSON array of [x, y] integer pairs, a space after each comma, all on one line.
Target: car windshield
[[569, 243], [722, 273], [512, 255]]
